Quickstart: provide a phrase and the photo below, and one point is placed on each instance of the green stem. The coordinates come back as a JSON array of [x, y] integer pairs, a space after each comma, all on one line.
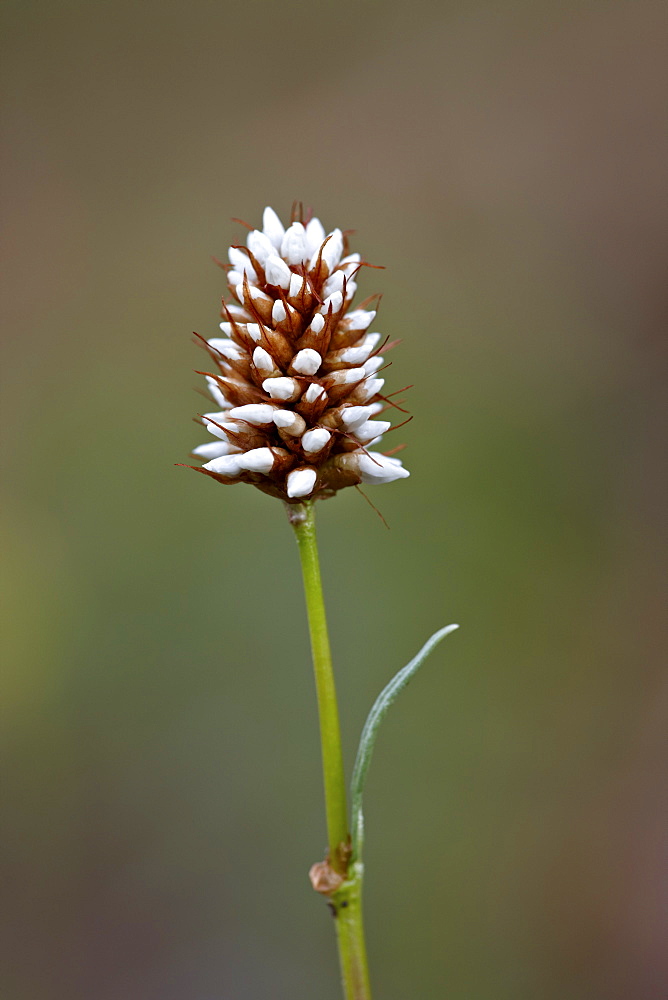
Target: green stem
[[303, 522], [347, 899], [347, 908]]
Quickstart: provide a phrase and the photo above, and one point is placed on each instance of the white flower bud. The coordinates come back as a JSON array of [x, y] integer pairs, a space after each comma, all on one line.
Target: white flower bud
[[258, 414], [258, 295], [315, 440], [290, 422], [333, 283], [317, 323], [263, 360], [333, 249], [373, 467], [257, 460], [293, 245], [306, 362], [335, 301], [214, 449], [371, 430], [314, 393], [360, 319], [315, 235], [218, 429], [260, 246], [345, 376], [240, 261], [237, 312], [226, 347], [296, 286], [301, 482], [377, 468], [254, 331], [278, 313], [216, 393], [353, 356], [282, 388], [354, 416], [350, 264], [372, 340], [226, 465], [272, 227], [367, 389], [277, 272]]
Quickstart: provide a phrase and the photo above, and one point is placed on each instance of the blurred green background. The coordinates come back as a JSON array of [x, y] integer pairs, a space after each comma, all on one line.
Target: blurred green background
[[162, 799]]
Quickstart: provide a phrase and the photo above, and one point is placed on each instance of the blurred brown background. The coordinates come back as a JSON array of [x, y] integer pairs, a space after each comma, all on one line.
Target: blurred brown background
[[162, 801]]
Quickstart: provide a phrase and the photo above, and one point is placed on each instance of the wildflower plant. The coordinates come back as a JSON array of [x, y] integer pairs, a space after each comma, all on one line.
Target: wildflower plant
[[297, 385]]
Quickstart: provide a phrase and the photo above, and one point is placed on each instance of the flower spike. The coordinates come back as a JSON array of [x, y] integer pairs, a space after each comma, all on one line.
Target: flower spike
[[296, 381]]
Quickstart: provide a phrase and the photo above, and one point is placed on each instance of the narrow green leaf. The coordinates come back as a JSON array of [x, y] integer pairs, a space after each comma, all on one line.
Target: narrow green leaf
[[370, 732]]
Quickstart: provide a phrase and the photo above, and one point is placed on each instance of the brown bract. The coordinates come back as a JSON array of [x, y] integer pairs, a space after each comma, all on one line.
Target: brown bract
[[324, 879]]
